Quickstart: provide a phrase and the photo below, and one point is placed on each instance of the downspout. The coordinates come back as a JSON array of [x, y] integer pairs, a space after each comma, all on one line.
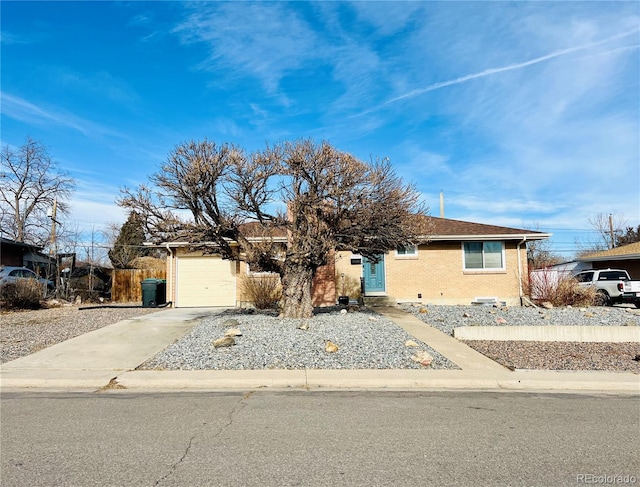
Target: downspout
[[520, 290], [170, 250]]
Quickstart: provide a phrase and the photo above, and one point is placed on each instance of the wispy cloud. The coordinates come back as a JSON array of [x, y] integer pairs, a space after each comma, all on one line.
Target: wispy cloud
[[9, 38], [264, 40], [502, 69], [27, 112]]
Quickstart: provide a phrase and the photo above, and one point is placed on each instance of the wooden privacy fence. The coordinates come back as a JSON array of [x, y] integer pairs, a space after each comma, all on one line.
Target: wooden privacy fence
[[125, 284]]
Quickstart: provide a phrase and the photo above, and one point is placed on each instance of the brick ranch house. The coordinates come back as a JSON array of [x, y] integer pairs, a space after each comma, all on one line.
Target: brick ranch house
[[460, 263]]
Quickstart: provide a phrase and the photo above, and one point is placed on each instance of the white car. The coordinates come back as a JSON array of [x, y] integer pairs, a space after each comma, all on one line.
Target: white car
[[10, 274]]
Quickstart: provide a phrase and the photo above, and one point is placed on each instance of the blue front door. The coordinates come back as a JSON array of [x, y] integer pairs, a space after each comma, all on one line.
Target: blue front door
[[374, 276]]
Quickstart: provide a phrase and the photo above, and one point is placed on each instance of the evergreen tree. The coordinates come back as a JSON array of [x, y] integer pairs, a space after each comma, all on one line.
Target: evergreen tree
[[128, 245], [630, 236]]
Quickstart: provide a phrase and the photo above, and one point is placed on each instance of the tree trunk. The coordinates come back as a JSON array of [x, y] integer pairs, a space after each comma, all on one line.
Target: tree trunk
[[297, 282]]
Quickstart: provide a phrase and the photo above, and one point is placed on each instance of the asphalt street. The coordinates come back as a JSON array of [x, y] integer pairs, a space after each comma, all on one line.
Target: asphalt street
[[122, 438]]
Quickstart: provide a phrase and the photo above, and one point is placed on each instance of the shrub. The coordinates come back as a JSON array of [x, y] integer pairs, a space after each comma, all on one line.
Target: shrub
[[559, 289], [23, 294], [264, 291], [570, 292]]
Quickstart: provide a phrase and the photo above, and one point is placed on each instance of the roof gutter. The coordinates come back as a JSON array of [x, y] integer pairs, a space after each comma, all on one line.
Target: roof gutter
[[171, 264], [520, 290]]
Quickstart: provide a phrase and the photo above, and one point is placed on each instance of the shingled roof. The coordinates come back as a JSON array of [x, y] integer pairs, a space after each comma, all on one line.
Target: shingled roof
[[444, 229], [448, 229], [624, 252]]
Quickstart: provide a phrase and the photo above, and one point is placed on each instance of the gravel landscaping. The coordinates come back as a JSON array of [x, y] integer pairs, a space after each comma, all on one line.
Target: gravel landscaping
[[614, 357], [446, 318], [542, 355], [365, 340]]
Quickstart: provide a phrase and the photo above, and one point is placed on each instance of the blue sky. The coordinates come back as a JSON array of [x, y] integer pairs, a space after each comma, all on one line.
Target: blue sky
[[523, 113]]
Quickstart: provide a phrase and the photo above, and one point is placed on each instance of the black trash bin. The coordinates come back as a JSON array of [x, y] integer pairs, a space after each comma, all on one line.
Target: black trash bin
[[154, 292]]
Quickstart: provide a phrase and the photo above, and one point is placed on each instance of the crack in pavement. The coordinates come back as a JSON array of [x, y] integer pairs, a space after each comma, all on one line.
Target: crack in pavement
[[237, 409]]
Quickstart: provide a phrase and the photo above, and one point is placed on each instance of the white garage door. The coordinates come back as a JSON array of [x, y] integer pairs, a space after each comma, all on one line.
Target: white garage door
[[205, 281]]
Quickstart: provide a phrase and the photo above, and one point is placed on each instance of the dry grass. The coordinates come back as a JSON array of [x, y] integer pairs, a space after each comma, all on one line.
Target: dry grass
[[560, 290], [264, 291], [23, 294]]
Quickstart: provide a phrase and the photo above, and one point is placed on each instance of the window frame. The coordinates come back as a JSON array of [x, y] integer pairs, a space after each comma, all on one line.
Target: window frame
[[412, 255], [484, 268]]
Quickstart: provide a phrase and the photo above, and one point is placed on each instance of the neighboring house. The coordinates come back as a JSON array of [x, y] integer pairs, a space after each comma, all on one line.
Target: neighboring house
[[626, 257], [20, 254], [460, 263], [571, 268], [463, 262]]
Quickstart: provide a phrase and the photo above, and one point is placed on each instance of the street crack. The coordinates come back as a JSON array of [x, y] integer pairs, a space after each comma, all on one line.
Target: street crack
[[242, 403]]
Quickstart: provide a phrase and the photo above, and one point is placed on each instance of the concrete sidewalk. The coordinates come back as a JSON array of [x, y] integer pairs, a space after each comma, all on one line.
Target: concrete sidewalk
[[109, 356]]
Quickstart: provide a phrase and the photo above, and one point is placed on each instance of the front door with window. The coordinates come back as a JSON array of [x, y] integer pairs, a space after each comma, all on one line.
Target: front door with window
[[374, 277]]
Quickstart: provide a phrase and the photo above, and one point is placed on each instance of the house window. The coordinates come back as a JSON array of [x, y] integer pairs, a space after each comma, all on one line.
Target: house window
[[407, 251], [257, 272], [483, 255]]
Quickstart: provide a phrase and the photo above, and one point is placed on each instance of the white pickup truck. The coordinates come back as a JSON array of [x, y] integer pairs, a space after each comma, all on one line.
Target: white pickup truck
[[614, 286]]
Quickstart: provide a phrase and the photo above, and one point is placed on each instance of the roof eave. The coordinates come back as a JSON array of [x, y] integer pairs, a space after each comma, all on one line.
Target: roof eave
[[507, 236], [609, 257]]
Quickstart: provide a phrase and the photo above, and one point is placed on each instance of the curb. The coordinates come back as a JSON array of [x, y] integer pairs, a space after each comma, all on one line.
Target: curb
[[550, 333], [318, 380]]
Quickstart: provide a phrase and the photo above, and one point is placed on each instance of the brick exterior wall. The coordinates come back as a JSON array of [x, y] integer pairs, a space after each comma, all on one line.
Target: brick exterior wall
[[437, 274], [323, 289]]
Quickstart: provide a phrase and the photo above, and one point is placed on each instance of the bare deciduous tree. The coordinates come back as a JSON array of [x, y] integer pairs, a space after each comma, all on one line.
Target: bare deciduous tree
[[301, 198], [539, 253], [30, 182], [608, 229]]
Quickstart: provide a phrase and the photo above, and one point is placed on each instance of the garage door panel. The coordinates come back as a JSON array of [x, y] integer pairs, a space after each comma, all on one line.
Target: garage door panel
[[205, 281]]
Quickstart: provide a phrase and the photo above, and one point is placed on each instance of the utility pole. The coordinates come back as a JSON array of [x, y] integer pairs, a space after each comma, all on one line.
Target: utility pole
[[611, 233], [53, 247]]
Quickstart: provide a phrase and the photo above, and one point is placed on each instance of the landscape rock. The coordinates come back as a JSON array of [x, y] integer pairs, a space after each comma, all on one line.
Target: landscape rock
[[410, 343], [466, 315], [224, 342], [303, 326], [423, 310], [501, 321], [331, 347], [423, 358], [547, 305], [233, 332], [231, 323]]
